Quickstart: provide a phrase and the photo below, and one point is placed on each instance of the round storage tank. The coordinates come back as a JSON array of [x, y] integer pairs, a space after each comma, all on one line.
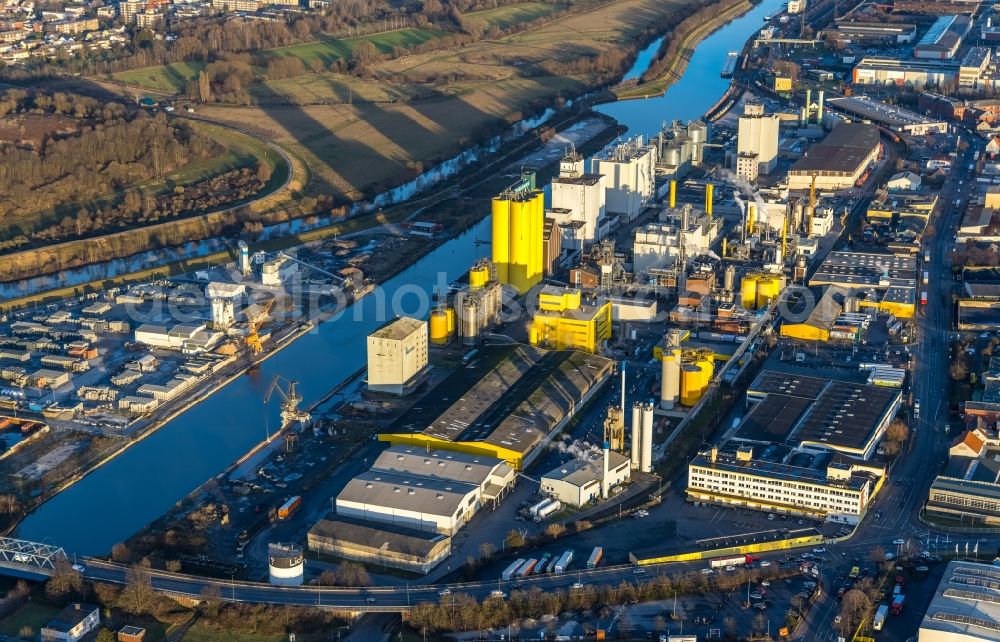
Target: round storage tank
[[748, 292], [673, 156], [285, 564], [767, 290], [470, 321], [690, 384], [478, 276], [439, 327], [670, 381]]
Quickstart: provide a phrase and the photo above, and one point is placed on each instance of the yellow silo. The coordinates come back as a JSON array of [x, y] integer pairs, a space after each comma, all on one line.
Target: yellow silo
[[501, 237], [439, 327], [706, 362], [768, 289], [479, 275], [748, 291], [690, 384], [538, 233], [520, 248], [450, 312]]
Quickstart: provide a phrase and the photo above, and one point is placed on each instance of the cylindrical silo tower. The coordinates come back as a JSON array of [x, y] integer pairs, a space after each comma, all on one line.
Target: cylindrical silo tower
[[636, 434], [646, 452], [285, 564]]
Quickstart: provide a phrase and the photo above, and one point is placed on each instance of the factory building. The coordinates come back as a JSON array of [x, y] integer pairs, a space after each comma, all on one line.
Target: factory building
[[886, 282], [820, 320], [839, 160], [867, 110], [877, 70], [434, 491], [185, 337], [839, 493], [551, 245], [944, 38], [397, 356], [543, 388], [757, 142], [659, 244], [566, 321], [379, 544], [578, 197], [802, 448], [964, 607], [629, 171], [861, 32], [518, 228], [584, 480]]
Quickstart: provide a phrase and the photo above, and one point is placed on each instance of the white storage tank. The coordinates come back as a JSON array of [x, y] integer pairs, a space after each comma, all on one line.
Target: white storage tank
[[285, 564]]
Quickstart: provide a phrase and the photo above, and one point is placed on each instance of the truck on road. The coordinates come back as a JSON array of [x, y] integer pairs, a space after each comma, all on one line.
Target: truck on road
[[595, 557], [880, 614], [897, 604]]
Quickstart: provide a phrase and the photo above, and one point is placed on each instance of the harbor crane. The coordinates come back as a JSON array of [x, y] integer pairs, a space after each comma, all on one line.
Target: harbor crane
[[290, 400], [252, 339]]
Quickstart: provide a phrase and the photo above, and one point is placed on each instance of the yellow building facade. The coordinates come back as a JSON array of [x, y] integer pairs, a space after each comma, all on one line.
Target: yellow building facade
[[518, 230], [564, 321]]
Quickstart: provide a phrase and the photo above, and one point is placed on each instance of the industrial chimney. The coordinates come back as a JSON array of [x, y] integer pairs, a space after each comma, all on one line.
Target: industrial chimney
[[604, 474]]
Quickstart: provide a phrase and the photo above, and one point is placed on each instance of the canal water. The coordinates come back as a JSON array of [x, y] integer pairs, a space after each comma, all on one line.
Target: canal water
[[700, 87], [145, 481]]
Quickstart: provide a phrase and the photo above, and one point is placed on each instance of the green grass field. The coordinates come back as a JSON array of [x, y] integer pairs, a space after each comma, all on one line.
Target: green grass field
[[504, 17], [32, 615], [330, 49], [170, 79]]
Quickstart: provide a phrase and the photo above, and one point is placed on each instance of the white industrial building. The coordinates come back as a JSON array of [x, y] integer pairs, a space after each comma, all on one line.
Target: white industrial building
[[839, 493], [235, 292], [425, 490], [187, 338], [278, 270], [658, 245], [757, 142], [577, 197], [397, 356], [629, 171], [581, 481], [965, 606]]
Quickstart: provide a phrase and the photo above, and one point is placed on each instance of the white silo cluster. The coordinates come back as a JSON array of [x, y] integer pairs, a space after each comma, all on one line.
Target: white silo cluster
[[642, 437], [670, 373]]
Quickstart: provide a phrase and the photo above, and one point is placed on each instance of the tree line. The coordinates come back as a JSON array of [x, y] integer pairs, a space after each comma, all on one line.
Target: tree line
[[108, 150]]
